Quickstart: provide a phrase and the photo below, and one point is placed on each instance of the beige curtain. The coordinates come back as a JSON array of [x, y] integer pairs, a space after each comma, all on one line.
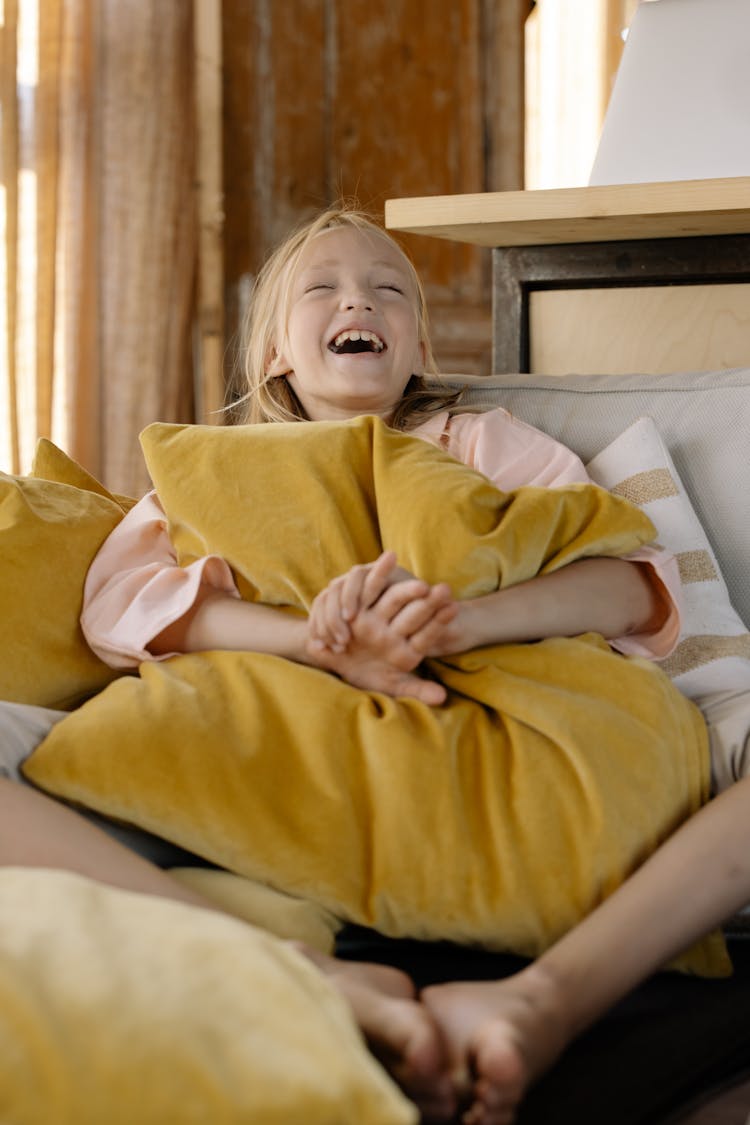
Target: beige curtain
[[98, 238]]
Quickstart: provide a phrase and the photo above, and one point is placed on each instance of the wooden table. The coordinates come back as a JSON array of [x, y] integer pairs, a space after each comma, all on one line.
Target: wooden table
[[649, 277]]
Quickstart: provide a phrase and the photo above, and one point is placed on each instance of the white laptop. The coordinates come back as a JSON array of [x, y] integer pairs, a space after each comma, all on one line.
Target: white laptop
[[680, 107]]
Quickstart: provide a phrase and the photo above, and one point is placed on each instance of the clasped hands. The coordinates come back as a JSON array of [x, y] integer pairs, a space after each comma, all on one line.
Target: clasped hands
[[375, 624]]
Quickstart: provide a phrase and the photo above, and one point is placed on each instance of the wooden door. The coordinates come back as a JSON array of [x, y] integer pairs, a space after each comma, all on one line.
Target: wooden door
[[324, 99]]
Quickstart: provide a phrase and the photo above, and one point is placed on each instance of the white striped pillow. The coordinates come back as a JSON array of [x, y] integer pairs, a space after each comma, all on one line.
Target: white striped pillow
[[713, 652]]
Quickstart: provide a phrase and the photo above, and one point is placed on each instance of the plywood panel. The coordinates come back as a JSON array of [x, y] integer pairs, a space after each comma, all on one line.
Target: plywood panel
[[674, 209], [623, 330]]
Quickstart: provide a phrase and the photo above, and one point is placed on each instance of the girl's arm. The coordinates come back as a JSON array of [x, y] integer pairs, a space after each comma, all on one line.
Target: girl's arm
[[363, 620], [613, 597], [140, 605], [220, 621], [134, 590], [379, 657], [512, 453]]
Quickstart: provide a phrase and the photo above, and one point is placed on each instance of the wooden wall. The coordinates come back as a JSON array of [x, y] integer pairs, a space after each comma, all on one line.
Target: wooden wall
[[324, 99]]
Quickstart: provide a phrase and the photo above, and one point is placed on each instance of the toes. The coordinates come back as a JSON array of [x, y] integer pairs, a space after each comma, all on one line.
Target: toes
[[490, 1106]]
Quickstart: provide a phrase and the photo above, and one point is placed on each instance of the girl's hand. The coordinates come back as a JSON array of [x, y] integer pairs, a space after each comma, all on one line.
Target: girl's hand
[[360, 588], [389, 639]]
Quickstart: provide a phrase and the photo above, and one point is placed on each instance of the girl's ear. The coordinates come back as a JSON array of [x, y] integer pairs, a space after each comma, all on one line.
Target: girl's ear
[[277, 363]]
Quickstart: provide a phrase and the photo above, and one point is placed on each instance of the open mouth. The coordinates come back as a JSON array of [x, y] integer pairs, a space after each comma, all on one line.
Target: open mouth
[[355, 340]]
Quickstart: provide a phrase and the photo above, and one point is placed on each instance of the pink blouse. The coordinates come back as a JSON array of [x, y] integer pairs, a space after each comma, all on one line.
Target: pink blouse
[[135, 588]]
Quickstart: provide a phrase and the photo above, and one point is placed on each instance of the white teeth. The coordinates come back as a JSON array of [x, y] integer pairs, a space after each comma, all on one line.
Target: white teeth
[[359, 334]]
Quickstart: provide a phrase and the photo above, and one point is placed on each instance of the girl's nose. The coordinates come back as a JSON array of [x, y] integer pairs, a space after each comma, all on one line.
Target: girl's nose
[[356, 299]]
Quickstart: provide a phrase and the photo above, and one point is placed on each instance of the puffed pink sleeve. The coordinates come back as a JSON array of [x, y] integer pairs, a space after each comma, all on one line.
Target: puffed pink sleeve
[[665, 576], [511, 454], [135, 588]]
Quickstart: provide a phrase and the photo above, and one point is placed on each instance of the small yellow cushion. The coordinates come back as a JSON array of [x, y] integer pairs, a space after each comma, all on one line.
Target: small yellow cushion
[[500, 818], [286, 916], [125, 1009], [52, 463], [50, 530]]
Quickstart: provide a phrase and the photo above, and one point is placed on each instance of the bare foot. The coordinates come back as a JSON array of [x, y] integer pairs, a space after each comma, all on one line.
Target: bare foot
[[500, 1035], [399, 1031]]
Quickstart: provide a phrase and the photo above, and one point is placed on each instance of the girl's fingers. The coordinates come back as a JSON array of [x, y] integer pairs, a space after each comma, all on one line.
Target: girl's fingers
[[397, 599], [326, 626], [418, 617], [377, 579], [361, 586], [427, 691], [372, 587], [409, 606], [352, 592], [337, 628], [345, 596], [431, 634]]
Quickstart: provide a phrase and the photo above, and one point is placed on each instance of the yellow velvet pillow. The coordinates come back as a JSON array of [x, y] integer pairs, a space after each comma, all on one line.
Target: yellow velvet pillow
[[50, 530], [125, 1009], [500, 818]]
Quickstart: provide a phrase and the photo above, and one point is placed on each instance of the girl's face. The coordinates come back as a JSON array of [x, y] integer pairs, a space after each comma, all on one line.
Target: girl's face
[[352, 339]]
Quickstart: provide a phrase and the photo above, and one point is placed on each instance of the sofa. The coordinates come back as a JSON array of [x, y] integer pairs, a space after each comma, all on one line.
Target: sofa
[[678, 1049], [118, 1008]]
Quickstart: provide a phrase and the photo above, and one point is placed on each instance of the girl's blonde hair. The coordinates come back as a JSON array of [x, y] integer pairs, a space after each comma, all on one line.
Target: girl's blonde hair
[[269, 398]]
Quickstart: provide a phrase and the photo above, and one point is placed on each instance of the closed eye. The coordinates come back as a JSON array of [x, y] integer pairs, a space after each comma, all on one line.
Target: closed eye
[[394, 288]]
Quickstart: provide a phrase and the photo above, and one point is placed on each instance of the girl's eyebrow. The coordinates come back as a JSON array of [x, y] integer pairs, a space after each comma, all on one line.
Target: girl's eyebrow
[[320, 265]]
